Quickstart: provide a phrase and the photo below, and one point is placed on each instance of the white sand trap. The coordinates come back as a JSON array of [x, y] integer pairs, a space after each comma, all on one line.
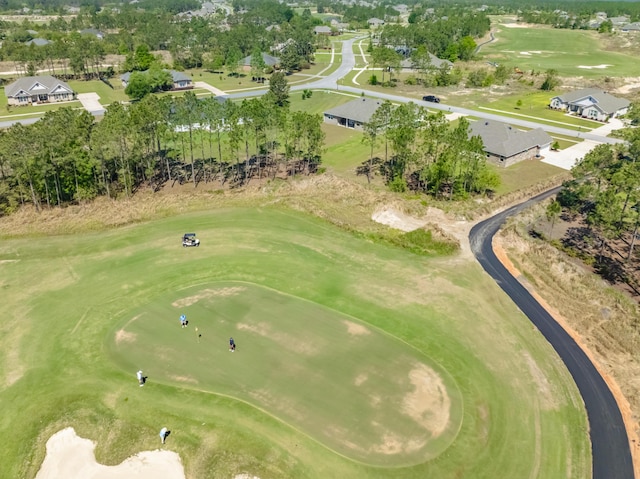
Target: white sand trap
[[72, 457], [525, 53], [592, 67], [397, 220]]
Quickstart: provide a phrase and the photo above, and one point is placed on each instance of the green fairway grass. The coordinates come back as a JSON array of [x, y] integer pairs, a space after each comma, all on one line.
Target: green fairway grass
[[360, 392], [566, 51], [308, 393]]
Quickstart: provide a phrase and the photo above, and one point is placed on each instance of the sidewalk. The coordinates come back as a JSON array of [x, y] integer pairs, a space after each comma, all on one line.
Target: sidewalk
[[206, 86]]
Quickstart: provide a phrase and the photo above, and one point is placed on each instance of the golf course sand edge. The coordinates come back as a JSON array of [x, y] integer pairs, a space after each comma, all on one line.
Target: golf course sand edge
[[71, 457]]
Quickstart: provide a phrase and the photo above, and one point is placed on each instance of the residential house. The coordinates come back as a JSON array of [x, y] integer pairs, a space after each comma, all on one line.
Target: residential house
[[38, 89], [269, 60], [505, 145], [322, 30], [631, 27], [181, 81], [435, 63], [353, 114], [279, 47], [93, 32], [591, 103], [38, 42], [375, 22], [618, 22]]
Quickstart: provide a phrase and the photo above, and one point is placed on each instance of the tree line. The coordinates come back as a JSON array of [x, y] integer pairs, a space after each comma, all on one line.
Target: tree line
[[605, 195], [68, 156], [422, 153], [195, 42]]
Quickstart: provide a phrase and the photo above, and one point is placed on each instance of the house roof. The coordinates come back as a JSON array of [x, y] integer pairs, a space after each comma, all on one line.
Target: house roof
[[322, 29], [269, 60], [375, 21], [360, 110], [435, 62], [34, 85], [176, 76], [92, 31], [504, 140], [39, 42], [632, 27], [604, 101]]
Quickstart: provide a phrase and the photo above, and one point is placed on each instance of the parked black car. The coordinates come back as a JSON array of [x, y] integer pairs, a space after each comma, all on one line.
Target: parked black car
[[431, 98]]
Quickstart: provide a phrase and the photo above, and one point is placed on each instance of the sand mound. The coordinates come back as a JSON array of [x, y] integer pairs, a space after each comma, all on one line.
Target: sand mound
[[71, 457]]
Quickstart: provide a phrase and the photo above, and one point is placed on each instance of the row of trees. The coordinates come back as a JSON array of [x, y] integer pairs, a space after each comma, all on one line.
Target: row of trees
[[68, 157], [605, 191], [450, 37], [210, 42], [424, 154]]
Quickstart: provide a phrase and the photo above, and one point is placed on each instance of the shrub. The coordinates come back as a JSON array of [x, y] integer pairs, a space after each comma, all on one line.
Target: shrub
[[373, 80]]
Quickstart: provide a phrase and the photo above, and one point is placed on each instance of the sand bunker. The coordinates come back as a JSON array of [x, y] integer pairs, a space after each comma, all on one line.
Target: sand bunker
[[592, 67], [72, 457]]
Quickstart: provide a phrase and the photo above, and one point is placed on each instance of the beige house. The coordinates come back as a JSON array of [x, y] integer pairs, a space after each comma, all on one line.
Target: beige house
[[353, 114], [38, 89], [505, 145], [591, 103]]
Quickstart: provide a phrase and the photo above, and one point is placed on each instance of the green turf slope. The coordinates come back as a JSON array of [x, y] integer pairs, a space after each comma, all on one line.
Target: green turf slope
[[302, 397], [358, 391]]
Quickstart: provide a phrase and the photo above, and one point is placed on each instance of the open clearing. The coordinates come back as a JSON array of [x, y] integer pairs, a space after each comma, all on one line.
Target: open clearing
[[569, 52], [349, 351]]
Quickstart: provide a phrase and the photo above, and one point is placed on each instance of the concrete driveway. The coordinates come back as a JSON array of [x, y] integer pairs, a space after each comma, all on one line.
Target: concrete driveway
[[91, 103]]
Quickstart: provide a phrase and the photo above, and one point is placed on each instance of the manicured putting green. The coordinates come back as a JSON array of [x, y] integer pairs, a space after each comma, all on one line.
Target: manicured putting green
[[357, 390]]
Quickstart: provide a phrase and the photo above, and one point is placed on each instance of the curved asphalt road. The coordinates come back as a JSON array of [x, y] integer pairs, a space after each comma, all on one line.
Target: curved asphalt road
[[609, 441]]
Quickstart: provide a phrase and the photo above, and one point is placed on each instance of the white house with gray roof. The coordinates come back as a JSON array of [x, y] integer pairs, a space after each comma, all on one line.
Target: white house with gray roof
[[38, 42], [505, 145], [591, 103], [181, 81], [38, 89], [353, 114]]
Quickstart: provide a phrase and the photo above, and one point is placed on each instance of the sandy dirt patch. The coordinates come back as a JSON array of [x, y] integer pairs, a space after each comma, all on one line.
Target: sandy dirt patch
[[208, 293], [518, 25], [123, 336], [594, 67], [356, 329], [72, 457], [429, 403], [457, 229], [360, 379], [245, 476]]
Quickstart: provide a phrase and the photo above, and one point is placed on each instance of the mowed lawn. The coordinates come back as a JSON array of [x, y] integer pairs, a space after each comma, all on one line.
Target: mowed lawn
[[350, 353], [363, 393], [569, 52]]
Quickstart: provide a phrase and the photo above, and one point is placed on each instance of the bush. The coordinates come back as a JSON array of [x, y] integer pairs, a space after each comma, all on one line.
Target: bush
[[373, 80], [411, 80], [398, 185]]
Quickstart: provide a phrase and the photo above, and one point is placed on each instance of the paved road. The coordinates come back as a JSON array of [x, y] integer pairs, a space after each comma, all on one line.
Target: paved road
[[330, 82], [609, 441]]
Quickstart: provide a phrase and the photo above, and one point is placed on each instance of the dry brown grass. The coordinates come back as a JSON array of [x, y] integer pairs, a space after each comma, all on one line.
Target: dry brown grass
[[605, 319], [338, 200]]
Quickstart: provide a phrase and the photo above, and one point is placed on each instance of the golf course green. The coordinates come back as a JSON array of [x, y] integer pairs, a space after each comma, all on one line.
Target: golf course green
[[354, 358]]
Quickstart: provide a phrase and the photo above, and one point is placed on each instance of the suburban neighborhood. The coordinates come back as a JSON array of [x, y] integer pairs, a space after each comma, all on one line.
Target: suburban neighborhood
[[416, 226]]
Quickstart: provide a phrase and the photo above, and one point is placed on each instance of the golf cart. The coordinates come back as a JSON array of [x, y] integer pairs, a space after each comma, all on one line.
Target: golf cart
[[189, 239]]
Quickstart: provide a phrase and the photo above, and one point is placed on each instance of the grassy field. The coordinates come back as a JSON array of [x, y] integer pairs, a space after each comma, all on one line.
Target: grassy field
[[108, 94], [351, 353], [570, 52]]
